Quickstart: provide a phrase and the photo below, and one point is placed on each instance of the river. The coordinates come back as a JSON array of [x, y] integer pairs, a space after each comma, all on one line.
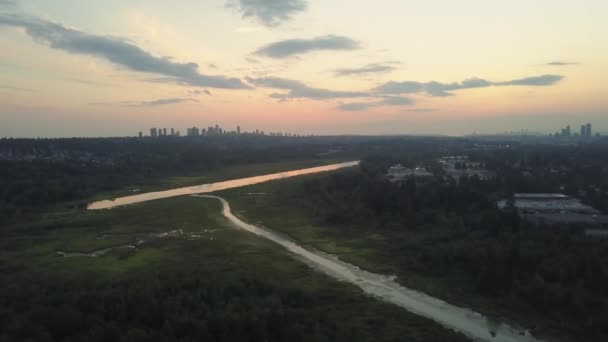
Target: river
[[211, 187], [466, 321]]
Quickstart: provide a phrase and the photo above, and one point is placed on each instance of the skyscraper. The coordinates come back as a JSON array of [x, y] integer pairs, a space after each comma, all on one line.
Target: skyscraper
[[583, 130], [153, 132], [588, 130], [238, 129]]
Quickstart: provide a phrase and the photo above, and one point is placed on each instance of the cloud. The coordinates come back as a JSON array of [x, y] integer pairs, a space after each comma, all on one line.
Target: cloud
[[152, 103], [559, 63], [544, 80], [384, 101], [87, 82], [270, 13], [374, 68], [439, 89], [8, 3], [5, 87], [397, 101], [297, 89], [291, 47], [118, 51], [198, 92], [356, 106], [424, 110], [387, 94]]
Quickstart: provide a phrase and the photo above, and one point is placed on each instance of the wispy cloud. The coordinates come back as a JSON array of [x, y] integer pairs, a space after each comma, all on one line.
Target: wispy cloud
[[390, 93], [292, 47], [118, 51], [269, 13], [86, 82], [199, 92], [373, 68], [8, 3], [152, 103], [423, 110], [561, 63], [356, 106], [297, 89], [396, 101], [384, 101], [439, 89], [537, 81], [6, 87]]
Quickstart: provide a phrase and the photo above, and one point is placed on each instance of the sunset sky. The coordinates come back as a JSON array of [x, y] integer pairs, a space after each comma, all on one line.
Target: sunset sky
[[115, 67]]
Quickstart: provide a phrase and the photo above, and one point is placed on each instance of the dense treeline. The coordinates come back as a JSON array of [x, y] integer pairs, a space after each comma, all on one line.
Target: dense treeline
[[452, 231], [186, 305], [40, 172], [226, 285], [578, 171]]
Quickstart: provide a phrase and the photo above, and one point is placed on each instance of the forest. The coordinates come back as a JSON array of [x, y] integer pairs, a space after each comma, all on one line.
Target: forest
[[446, 236], [438, 234], [224, 285], [36, 173]]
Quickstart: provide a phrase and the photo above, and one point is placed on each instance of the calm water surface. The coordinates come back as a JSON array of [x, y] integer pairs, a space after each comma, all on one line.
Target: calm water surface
[[211, 187]]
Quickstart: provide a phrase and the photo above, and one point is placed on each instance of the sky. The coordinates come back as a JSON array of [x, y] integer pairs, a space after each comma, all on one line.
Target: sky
[[116, 67]]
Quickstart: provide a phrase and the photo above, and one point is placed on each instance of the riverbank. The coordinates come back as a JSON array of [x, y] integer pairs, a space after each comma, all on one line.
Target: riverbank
[[225, 285], [385, 288], [212, 187], [380, 251], [223, 173]]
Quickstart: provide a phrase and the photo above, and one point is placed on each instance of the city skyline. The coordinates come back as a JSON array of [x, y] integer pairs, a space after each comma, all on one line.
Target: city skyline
[[308, 67], [214, 130]]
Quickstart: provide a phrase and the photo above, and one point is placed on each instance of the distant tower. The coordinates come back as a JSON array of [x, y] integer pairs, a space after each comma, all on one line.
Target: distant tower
[[164, 132], [172, 131], [568, 133], [153, 132], [238, 130], [588, 130], [141, 134], [583, 130]]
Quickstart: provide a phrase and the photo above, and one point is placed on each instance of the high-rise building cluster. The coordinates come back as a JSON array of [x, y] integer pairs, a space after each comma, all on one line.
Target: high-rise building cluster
[[585, 132], [162, 132], [212, 131]]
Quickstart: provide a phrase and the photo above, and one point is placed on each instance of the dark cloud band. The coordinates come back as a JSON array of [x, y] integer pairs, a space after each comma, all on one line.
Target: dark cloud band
[[268, 12], [118, 51], [446, 89], [152, 103], [292, 47], [297, 89], [374, 68]]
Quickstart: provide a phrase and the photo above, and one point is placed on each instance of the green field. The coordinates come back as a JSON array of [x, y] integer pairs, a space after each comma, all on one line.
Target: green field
[[381, 251], [225, 285]]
